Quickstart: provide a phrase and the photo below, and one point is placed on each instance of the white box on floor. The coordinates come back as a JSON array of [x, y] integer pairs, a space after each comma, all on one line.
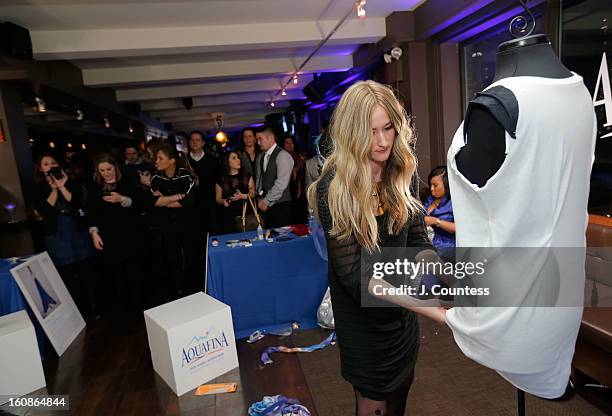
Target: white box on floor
[[20, 365], [191, 341]]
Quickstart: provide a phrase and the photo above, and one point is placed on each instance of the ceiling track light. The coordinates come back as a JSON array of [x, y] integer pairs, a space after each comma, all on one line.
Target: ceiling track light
[[130, 128], [361, 11], [40, 105], [106, 123], [284, 92], [80, 115], [272, 104], [295, 79]]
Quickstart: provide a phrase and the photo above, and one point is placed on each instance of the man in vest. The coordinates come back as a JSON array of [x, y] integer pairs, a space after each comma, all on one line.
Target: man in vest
[[273, 168]]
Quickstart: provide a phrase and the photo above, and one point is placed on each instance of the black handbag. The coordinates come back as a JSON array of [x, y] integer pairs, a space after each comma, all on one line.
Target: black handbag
[[248, 222]]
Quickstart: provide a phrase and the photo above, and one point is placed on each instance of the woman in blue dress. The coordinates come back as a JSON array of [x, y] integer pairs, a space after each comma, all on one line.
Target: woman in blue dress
[[440, 209]]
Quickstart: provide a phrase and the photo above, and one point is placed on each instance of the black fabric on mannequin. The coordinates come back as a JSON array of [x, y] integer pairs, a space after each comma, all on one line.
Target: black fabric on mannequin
[[485, 125]]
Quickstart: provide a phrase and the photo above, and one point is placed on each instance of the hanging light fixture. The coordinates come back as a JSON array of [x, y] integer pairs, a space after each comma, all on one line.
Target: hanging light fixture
[[83, 146], [106, 122], [272, 104], [295, 79], [52, 145], [284, 92], [361, 11], [40, 105], [69, 145], [130, 128], [80, 114]]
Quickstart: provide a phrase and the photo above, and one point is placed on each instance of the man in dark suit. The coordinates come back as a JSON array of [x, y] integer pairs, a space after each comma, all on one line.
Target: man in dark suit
[[273, 168]]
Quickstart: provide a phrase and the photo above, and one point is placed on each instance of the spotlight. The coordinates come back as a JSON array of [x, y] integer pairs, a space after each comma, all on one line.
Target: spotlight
[[106, 123], [361, 11], [69, 145], [393, 55], [40, 105], [283, 92], [188, 103], [52, 145], [221, 137], [130, 128], [83, 146], [272, 104], [80, 114], [295, 79]]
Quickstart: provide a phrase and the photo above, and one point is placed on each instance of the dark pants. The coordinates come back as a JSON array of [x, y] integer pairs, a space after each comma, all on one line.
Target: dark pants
[[195, 251], [79, 279], [167, 261], [278, 215], [128, 281]]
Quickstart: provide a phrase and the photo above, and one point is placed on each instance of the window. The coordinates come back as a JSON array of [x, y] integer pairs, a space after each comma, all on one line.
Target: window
[[587, 39]]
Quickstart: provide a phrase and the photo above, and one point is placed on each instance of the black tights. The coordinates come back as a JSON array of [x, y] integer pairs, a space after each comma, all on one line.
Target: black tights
[[394, 405]]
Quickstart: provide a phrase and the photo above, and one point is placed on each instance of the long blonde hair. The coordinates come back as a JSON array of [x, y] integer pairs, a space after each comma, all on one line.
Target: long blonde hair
[[351, 189]]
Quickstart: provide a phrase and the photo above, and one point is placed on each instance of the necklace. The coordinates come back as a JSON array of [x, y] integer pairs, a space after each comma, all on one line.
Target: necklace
[[380, 206]]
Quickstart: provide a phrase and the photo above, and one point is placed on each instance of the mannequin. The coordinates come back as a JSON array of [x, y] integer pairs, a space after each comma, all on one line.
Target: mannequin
[[484, 153], [548, 138]]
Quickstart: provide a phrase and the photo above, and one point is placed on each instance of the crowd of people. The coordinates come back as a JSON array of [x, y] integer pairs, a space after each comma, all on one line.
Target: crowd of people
[[144, 218], [130, 231]]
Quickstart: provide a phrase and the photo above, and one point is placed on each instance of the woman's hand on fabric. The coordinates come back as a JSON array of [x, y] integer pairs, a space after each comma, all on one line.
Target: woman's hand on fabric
[[113, 198], [97, 241], [157, 193], [429, 220], [438, 314]]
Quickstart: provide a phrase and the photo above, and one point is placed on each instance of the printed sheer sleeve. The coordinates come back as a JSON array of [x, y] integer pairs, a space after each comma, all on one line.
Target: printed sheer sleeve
[[417, 232], [344, 255]]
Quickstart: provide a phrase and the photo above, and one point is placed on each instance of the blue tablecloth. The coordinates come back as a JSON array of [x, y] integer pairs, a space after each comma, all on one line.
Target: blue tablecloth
[[11, 299], [268, 285]]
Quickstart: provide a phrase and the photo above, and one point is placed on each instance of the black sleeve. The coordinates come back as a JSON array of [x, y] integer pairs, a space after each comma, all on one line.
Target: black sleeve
[[187, 189], [417, 233], [76, 189], [344, 255], [41, 192], [489, 115]]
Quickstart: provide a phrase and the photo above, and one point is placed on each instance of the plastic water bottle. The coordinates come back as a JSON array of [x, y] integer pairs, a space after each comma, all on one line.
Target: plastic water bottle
[[260, 233]]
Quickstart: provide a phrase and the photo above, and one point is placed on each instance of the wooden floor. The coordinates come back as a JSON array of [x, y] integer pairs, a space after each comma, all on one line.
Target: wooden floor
[[108, 371]]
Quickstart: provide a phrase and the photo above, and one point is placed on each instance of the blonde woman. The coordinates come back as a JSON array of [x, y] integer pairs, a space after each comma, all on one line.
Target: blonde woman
[[363, 201]]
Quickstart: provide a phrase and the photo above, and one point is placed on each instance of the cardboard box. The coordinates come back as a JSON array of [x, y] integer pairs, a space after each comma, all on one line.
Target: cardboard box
[[20, 364], [191, 341]]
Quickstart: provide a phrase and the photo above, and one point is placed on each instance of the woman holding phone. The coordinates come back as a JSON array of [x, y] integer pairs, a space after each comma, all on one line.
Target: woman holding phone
[[59, 201], [114, 207]]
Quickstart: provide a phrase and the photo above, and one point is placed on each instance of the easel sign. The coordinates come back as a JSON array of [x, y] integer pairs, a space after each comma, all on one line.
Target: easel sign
[[49, 299]]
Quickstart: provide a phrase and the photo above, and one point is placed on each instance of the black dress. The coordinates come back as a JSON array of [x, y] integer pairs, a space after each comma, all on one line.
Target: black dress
[[229, 185], [378, 345]]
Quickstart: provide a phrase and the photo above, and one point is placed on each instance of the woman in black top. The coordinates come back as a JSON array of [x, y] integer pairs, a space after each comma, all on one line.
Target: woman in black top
[[59, 201], [114, 207], [363, 201], [173, 191], [249, 151], [233, 189]]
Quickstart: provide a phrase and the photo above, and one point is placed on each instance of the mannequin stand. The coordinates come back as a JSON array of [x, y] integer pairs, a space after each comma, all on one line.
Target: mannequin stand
[[521, 402]]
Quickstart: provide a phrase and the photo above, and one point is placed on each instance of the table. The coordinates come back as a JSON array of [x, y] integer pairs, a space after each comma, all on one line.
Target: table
[[269, 285], [11, 299]]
